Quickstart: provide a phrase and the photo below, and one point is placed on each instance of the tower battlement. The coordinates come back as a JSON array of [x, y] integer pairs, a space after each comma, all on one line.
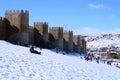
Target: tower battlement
[[2, 28], [37, 24], [57, 32], [76, 39], [42, 27], [40, 23], [16, 11], [18, 18], [2, 19], [83, 45], [56, 28], [68, 40], [68, 31], [68, 36]]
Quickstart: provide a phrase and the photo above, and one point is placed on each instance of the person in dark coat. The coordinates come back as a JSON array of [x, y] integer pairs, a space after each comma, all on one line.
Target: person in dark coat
[[34, 51]]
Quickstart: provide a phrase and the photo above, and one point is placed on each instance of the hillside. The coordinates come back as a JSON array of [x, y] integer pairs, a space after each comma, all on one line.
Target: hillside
[[17, 63], [105, 40]]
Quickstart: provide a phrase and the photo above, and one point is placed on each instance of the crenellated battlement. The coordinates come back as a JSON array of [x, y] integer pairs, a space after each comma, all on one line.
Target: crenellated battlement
[[18, 18], [15, 26], [42, 27], [40, 23], [68, 40], [68, 36], [76, 39], [57, 32], [16, 12], [56, 28], [68, 32], [2, 19]]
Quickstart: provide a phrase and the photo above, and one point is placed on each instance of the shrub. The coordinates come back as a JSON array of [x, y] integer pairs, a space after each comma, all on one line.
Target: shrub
[[112, 56], [118, 56]]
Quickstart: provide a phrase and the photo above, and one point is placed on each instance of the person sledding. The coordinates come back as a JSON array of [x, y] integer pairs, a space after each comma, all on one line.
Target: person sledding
[[34, 51], [87, 57]]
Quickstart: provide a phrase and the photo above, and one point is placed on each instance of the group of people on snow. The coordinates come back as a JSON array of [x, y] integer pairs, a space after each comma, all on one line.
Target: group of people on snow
[[92, 57], [98, 59], [87, 57]]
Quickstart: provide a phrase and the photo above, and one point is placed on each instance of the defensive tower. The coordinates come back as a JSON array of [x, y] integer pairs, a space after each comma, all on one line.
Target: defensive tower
[[19, 26], [83, 45], [2, 28], [18, 19], [68, 40], [77, 43], [41, 33], [31, 35], [56, 37], [42, 27]]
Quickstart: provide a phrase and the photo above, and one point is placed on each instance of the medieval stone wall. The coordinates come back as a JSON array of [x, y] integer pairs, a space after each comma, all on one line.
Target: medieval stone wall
[[19, 26], [18, 19], [2, 28], [31, 35], [76, 43], [42, 27], [41, 33], [83, 45], [68, 41], [57, 34], [15, 28], [14, 18], [24, 20]]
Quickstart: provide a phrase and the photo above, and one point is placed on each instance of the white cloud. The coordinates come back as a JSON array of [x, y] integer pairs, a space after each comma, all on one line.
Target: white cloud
[[93, 31], [97, 6]]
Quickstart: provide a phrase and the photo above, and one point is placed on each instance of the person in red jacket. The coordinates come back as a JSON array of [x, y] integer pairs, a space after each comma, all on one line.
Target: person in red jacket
[[87, 57]]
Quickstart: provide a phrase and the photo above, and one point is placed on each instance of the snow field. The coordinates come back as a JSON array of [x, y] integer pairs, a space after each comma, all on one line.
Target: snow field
[[17, 63]]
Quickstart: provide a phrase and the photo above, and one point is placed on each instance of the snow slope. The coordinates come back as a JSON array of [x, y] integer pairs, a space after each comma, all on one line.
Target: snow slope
[[17, 63]]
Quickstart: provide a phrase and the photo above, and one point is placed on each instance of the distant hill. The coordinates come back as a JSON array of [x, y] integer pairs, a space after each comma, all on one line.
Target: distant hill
[[104, 40]]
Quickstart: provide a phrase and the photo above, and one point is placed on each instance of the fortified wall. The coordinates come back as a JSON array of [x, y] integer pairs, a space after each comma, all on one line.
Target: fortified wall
[[77, 43], [41, 33], [2, 28], [14, 27], [31, 35], [56, 37], [83, 45], [68, 41], [18, 28], [18, 19]]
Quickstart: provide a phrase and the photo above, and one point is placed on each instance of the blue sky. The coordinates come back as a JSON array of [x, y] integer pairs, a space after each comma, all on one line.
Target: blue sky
[[81, 16]]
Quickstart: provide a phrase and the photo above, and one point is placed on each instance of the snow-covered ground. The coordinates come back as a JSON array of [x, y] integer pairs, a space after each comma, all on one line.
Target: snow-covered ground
[[17, 63], [99, 41]]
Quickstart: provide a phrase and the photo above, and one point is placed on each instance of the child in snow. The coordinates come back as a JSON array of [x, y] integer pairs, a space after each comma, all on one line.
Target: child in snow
[[34, 51]]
